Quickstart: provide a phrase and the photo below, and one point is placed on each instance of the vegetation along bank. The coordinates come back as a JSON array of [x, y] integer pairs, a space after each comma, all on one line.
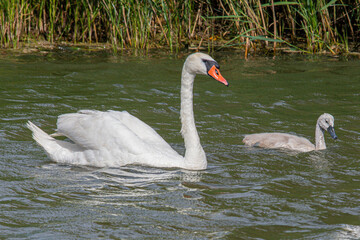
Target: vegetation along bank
[[331, 26]]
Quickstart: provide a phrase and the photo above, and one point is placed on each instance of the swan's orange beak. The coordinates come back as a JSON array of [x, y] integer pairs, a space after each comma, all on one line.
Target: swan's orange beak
[[215, 73]]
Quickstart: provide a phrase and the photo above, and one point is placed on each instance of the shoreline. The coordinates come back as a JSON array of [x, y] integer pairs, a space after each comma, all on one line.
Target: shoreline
[[39, 47]]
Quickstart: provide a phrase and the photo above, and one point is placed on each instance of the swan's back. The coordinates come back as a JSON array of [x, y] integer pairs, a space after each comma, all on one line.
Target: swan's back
[[279, 140]]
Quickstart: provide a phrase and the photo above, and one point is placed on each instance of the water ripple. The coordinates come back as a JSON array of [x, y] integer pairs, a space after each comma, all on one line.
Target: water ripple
[[251, 193]]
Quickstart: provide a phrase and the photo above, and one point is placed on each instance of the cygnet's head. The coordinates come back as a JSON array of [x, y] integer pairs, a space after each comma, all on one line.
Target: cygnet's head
[[326, 122], [201, 63]]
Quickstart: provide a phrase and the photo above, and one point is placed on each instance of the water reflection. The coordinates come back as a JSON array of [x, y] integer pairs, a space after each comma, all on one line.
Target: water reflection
[[348, 232], [134, 179], [319, 161], [191, 176]]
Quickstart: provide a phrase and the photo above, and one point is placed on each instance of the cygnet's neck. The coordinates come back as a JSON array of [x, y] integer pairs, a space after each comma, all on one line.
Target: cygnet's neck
[[319, 138], [195, 157]]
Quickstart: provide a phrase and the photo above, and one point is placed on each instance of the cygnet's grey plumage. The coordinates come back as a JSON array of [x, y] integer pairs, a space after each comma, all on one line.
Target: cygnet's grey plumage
[[292, 142]]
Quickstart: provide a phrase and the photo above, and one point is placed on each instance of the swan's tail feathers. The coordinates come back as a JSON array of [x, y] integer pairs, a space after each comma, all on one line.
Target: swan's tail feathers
[[41, 137], [247, 140], [251, 140], [58, 151]]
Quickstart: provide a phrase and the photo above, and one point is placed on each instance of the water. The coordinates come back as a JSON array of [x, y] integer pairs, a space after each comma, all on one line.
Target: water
[[246, 193]]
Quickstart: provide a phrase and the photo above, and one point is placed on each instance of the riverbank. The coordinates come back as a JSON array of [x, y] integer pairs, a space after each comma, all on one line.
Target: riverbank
[[44, 48], [320, 26]]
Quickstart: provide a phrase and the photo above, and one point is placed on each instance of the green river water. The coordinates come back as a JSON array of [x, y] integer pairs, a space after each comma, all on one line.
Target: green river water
[[246, 193]]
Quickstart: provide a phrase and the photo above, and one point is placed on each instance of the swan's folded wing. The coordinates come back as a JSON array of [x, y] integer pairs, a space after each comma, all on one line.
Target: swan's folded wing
[[112, 129], [141, 129], [279, 140]]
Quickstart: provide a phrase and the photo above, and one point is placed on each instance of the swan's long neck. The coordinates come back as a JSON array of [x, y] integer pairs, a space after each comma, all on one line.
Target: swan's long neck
[[195, 157], [319, 138]]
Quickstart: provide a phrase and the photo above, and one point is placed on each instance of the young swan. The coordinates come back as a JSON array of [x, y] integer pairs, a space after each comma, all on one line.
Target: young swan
[[292, 142]]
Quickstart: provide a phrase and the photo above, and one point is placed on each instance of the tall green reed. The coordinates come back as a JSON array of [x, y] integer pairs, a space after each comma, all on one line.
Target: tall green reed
[[137, 24]]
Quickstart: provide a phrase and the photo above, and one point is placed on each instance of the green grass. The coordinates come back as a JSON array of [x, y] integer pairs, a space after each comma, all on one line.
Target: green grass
[[313, 26]]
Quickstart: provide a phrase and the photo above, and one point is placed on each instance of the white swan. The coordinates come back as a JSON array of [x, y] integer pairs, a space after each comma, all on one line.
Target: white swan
[[116, 139], [292, 142]]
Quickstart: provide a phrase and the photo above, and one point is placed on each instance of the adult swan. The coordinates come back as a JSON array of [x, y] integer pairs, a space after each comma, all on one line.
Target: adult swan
[[116, 139]]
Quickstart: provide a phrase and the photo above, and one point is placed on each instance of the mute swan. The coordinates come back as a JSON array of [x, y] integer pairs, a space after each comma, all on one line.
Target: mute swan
[[116, 139], [292, 142]]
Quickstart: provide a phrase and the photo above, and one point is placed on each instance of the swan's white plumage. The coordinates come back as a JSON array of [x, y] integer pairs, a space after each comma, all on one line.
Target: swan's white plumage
[[87, 128], [115, 138], [103, 139], [116, 135], [292, 142]]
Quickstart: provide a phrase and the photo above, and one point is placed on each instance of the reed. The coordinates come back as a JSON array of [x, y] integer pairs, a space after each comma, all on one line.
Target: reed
[[314, 26]]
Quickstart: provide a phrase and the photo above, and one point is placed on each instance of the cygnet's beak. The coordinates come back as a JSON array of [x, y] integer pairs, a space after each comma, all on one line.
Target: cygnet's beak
[[214, 72], [331, 130]]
